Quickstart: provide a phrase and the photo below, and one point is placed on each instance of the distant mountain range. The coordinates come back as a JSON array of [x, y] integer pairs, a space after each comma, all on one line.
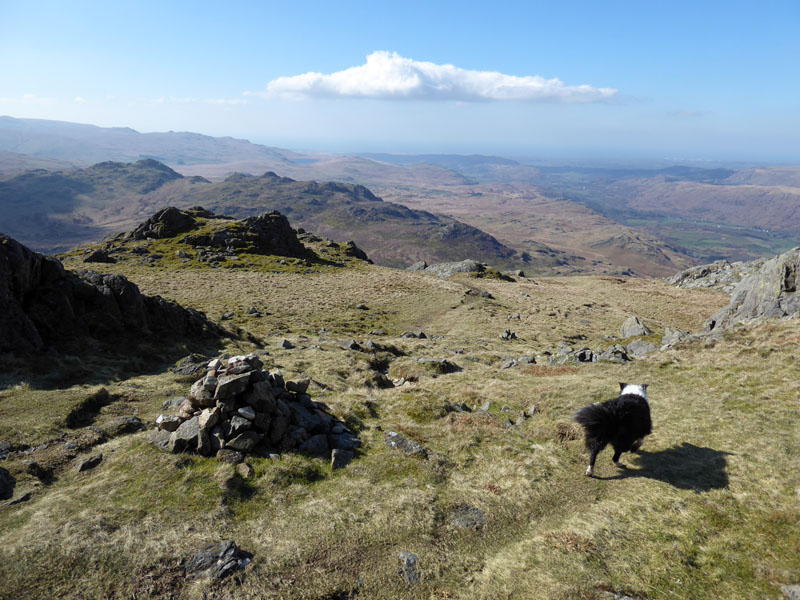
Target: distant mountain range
[[650, 221], [87, 144], [55, 210]]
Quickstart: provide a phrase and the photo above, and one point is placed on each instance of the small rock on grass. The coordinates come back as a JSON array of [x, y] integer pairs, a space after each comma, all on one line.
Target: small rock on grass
[[468, 517], [792, 592], [24, 498], [399, 442], [218, 561], [410, 568], [245, 470], [90, 463], [227, 455]]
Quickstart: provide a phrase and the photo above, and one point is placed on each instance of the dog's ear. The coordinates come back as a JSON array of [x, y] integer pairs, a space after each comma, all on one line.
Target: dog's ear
[[622, 386], [644, 386]]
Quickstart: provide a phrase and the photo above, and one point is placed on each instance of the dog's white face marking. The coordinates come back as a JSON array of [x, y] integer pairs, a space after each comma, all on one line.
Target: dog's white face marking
[[636, 390]]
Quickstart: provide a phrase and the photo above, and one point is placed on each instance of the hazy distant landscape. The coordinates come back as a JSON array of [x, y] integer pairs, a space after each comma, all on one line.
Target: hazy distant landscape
[[569, 219]]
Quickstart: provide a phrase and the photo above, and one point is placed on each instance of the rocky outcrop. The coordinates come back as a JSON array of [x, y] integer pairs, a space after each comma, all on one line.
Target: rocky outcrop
[[446, 270], [720, 275], [769, 292], [237, 408], [42, 304], [268, 233], [632, 327], [566, 354], [166, 223]]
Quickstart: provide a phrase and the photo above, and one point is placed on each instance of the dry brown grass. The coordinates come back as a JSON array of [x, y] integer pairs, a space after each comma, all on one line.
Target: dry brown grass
[[707, 509], [547, 370]]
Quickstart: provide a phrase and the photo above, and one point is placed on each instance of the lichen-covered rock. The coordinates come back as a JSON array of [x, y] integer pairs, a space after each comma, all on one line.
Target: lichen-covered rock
[[245, 441], [231, 385], [639, 348], [410, 568], [446, 270], [402, 443], [672, 336], [632, 327], [218, 561], [721, 275], [770, 292], [209, 418], [615, 353], [185, 437]]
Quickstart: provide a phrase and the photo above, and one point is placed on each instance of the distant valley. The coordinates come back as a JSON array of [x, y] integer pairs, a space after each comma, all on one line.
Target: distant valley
[[543, 217]]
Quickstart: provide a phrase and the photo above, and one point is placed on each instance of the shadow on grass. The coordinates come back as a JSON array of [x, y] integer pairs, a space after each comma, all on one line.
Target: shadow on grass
[[686, 466], [87, 361]]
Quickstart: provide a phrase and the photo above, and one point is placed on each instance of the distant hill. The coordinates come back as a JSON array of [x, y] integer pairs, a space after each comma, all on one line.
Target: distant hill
[[781, 176], [746, 205], [57, 210], [13, 163], [53, 210], [347, 169], [91, 144]]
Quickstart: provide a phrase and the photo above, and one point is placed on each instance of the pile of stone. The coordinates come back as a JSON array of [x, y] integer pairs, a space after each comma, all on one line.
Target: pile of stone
[[237, 408]]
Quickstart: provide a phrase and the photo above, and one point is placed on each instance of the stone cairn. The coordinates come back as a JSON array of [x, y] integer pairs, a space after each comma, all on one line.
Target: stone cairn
[[239, 409]]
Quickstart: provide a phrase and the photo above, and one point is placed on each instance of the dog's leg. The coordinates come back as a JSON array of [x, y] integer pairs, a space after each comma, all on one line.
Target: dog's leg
[[592, 458], [615, 458], [637, 443]]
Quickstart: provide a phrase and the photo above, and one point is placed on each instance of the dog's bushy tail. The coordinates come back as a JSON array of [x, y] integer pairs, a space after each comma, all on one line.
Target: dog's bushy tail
[[598, 422]]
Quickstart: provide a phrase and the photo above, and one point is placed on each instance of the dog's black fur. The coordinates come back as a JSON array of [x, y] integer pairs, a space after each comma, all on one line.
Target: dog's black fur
[[622, 422]]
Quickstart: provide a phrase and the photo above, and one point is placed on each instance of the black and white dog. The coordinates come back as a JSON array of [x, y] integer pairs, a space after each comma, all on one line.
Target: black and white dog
[[622, 422]]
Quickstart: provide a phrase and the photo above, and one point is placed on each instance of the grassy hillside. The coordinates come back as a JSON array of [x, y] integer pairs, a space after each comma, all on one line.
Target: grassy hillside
[[707, 509]]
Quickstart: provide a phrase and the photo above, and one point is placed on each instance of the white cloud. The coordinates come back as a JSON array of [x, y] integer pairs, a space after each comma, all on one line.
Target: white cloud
[[387, 75]]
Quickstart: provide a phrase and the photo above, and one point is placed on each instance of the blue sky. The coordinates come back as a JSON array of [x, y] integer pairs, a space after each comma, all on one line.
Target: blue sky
[[681, 80]]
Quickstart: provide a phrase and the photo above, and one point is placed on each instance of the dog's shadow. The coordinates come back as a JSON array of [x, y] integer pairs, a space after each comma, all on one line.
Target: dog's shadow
[[686, 466]]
